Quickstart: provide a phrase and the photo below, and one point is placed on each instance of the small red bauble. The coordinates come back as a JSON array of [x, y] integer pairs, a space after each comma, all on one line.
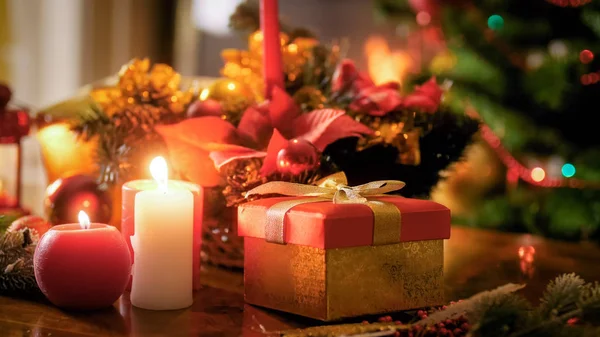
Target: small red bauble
[[297, 157], [208, 107], [33, 222], [65, 197], [586, 56], [80, 268]]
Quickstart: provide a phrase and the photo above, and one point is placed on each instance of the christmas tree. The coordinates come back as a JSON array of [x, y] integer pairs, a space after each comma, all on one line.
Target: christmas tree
[[527, 70]]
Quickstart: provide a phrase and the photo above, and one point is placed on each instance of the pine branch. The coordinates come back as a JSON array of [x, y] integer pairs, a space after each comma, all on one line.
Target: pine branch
[[561, 295], [471, 304]]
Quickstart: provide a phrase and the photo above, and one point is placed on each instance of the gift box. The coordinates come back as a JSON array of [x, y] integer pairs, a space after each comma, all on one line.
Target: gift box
[[344, 252]]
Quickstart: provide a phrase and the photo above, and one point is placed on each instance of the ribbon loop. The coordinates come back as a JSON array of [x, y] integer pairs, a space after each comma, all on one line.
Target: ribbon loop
[[333, 188]]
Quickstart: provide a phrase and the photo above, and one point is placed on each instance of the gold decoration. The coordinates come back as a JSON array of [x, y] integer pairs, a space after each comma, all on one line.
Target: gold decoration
[[233, 95], [156, 88], [309, 98], [344, 282], [443, 62], [246, 66], [399, 134]]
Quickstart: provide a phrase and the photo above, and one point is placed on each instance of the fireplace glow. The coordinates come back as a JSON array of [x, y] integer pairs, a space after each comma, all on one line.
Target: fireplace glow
[[384, 64]]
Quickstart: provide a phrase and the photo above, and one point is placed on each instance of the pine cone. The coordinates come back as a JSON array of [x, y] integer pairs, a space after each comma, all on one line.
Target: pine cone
[[244, 175], [16, 263]]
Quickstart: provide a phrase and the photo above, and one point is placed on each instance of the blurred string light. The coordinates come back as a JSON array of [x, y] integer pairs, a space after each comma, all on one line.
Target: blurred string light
[[535, 176], [495, 22], [586, 56], [568, 170], [538, 174], [569, 3], [213, 16]]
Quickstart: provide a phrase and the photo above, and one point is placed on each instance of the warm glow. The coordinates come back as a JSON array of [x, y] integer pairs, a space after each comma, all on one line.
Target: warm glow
[[386, 65], [423, 18], [204, 94], [292, 48], [84, 220], [538, 174], [63, 154], [160, 172], [231, 86]]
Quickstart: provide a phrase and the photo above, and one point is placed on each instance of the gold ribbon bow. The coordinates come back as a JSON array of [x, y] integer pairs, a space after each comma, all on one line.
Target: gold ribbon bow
[[334, 188]]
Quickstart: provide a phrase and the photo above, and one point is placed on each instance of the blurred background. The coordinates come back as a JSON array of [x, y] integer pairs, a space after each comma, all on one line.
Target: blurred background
[[527, 69]]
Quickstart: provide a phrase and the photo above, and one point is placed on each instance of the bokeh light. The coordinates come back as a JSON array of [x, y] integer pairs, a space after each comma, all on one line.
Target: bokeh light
[[568, 170], [586, 56], [495, 22], [538, 174], [423, 18]]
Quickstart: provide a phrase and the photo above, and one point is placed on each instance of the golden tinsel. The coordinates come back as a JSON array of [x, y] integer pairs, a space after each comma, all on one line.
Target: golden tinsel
[[234, 96], [309, 98], [246, 65], [140, 85], [400, 134]]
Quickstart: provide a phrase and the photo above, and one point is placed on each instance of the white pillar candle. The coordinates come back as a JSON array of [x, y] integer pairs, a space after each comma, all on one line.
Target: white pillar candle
[[163, 245]]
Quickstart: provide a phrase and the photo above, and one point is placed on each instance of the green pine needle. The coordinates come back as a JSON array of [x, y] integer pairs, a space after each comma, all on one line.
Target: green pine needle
[[561, 295]]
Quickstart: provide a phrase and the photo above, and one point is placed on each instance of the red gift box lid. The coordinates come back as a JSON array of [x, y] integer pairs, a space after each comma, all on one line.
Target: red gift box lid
[[328, 225]]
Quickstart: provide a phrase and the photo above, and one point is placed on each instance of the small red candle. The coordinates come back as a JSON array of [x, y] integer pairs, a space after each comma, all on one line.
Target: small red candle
[[131, 188], [82, 266], [272, 64]]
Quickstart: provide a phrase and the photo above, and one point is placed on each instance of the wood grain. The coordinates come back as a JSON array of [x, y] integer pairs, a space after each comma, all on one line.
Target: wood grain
[[475, 260]]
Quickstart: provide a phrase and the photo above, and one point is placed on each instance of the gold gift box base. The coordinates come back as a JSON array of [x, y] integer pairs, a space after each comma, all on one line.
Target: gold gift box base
[[347, 282]]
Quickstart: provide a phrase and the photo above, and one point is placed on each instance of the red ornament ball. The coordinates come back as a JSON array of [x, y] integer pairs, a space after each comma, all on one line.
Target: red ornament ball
[[586, 56], [298, 156], [65, 197], [208, 107]]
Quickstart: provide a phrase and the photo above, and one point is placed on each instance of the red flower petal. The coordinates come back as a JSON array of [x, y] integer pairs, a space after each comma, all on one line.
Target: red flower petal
[[225, 156], [323, 127], [256, 126], [426, 97], [189, 143], [347, 77], [276, 143]]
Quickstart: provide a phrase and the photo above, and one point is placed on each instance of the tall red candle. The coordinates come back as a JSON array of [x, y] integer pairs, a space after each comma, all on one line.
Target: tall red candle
[[272, 64], [131, 188], [82, 267]]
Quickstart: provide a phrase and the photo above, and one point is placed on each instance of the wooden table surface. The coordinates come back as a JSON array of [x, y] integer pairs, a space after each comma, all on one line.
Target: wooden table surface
[[475, 260]]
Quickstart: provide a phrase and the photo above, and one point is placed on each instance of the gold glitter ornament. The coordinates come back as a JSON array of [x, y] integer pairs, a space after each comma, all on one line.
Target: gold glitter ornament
[[233, 95], [399, 134], [141, 85], [309, 98]]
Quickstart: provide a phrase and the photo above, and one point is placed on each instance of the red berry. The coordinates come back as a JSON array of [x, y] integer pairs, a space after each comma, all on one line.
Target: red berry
[[382, 319], [398, 322], [441, 325], [465, 326], [365, 322], [457, 332], [420, 312], [388, 318]]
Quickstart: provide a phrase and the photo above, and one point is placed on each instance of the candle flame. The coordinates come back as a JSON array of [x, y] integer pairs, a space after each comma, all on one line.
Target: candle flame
[[84, 220], [160, 172]]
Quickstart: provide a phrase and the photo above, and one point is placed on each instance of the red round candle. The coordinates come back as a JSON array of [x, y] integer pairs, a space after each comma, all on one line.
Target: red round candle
[[79, 268]]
